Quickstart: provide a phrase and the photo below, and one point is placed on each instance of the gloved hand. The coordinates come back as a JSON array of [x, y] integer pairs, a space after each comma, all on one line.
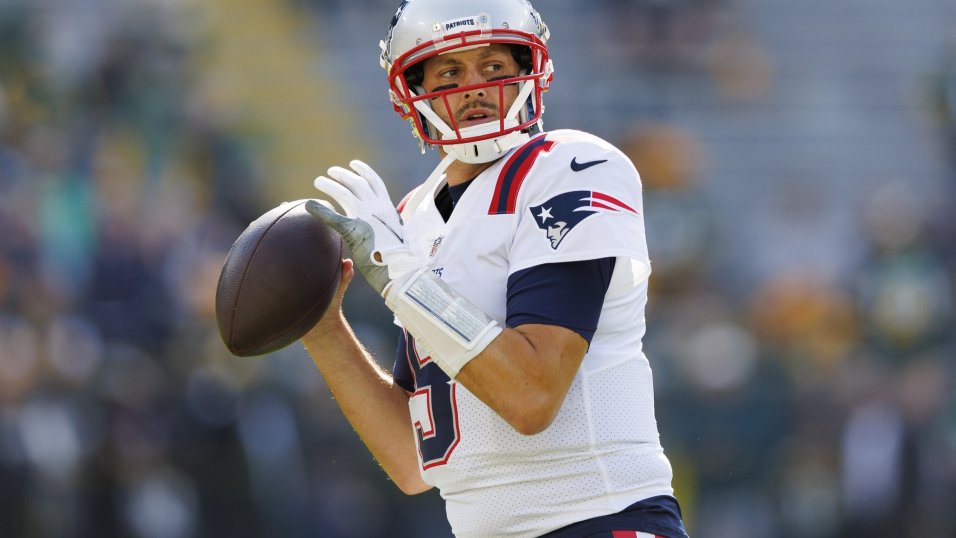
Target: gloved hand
[[371, 226], [454, 329]]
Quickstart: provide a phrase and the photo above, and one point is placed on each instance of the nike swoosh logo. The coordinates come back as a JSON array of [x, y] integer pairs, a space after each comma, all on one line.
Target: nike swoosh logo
[[389, 228], [577, 167]]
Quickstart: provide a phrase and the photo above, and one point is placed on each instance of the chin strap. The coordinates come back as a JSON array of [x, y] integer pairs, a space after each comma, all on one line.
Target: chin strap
[[430, 184]]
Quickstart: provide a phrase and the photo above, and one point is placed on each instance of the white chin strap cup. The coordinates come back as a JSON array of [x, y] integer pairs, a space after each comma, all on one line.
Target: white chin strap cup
[[489, 150]]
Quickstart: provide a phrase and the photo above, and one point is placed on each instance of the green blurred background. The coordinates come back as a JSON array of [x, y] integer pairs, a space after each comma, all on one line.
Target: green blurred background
[[799, 162]]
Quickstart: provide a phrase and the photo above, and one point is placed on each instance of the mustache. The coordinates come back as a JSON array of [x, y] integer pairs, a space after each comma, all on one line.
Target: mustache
[[460, 113]]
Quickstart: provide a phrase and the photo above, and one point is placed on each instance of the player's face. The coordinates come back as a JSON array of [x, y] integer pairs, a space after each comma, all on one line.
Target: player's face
[[475, 66]]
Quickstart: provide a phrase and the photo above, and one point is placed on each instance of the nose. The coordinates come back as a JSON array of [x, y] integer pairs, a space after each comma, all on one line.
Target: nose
[[475, 77]]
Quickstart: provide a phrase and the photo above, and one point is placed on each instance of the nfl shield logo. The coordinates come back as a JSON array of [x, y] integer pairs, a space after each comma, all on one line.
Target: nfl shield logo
[[435, 245]]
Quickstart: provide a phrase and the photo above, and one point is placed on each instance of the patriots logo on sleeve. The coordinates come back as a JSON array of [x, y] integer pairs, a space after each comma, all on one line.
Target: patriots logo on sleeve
[[559, 215]]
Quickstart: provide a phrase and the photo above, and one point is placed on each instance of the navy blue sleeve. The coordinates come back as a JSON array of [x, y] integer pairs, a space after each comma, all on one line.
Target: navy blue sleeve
[[402, 370], [567, 294]]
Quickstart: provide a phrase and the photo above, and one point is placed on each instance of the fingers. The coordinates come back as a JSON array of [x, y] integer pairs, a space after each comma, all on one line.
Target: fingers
[[371, 177], [342, 196], [348, 273], [355, 183], [331, 320], [325, 203], [323, 211], [357, 233], [362, 182]]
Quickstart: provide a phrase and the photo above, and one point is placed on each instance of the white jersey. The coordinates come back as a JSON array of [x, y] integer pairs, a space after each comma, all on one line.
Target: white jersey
[[562, 196]]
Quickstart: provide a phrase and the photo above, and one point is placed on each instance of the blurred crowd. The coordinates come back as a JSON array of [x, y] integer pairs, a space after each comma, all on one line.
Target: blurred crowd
[[795, 400]]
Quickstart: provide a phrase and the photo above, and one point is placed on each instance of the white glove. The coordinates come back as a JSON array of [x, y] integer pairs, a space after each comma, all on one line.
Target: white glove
[[371, 226], [448, 325]]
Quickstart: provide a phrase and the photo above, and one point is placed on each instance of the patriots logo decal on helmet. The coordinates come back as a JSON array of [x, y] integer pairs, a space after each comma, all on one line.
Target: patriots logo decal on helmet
[[563, 212]]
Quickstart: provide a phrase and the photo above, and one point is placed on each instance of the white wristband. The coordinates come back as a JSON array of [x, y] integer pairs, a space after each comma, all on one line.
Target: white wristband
[[450, 328]]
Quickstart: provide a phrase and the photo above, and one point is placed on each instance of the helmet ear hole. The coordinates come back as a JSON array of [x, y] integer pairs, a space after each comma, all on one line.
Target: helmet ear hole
[[522, 55], [426, 127], [414, 76], [528, 112]]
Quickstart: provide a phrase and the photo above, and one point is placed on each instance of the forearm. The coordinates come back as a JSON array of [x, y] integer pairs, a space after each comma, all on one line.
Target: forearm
[[525, 373], [374, 405]]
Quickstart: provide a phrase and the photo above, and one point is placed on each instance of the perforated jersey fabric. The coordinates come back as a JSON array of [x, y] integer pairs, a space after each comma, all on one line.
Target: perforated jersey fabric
[[602, 453]]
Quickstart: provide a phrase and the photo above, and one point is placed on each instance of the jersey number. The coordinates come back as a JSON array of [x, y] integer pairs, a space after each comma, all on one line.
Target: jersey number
[[433, 408]]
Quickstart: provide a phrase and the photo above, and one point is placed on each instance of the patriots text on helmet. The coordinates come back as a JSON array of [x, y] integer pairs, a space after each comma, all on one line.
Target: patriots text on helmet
[[458, 24]]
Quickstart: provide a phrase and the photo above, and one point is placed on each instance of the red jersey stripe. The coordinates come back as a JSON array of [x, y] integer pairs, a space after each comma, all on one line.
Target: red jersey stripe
[[513, 174], [613, 200]]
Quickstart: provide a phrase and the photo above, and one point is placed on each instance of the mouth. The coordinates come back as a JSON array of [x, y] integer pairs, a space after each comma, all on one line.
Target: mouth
[[476, 116]]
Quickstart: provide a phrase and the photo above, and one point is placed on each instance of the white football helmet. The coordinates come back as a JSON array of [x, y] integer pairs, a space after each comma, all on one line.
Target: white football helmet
[[422, 29]]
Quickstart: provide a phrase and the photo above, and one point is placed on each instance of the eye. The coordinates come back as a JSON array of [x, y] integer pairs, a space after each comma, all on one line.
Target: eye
[[494, 68], [449, 73]]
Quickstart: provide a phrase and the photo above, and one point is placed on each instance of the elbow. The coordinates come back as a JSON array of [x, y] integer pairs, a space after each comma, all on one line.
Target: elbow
[[410, 488], [531, 426], [407, 477], [411, 485], [534, 414]]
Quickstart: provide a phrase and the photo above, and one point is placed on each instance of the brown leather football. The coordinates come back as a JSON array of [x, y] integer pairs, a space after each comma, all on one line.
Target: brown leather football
[[277, 281]]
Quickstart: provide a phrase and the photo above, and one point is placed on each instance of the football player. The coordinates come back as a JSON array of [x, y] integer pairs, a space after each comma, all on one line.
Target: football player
[[518, 273]]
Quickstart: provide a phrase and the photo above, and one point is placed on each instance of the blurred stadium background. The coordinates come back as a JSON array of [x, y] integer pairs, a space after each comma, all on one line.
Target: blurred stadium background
[[799, 161]]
